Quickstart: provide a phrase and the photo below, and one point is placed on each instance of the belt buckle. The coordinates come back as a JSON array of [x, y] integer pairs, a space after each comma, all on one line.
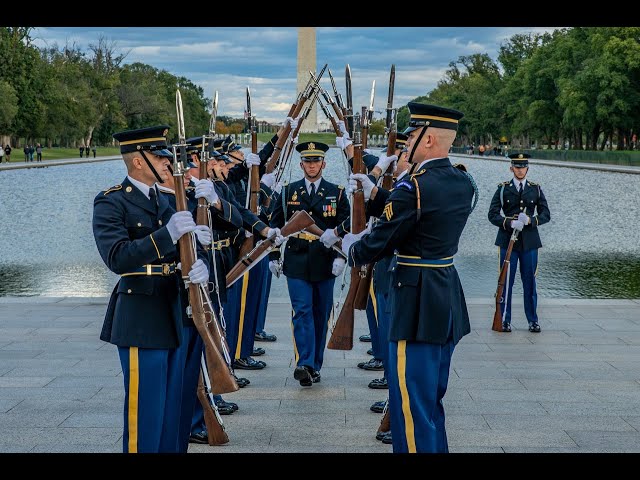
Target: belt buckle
[[225, 243], [148, 265], [166, 269]]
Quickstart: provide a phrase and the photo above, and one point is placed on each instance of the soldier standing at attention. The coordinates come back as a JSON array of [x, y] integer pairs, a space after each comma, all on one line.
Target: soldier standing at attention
[[310, 267], [422, 221], [136, 232], [525, 209]]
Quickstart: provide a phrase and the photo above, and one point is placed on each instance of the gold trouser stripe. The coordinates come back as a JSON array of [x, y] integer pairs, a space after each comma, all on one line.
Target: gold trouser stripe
[[404, 394], [155, 245], [134, 383], [373, 301], [295, 347], [243, 306]]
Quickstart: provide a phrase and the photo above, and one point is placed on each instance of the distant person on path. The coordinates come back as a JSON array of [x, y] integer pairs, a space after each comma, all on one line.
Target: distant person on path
[[39, 152], [524, 208], [26, 153], [82, 151], [481, 150], [1, 154], [7, 152], [94, 151]]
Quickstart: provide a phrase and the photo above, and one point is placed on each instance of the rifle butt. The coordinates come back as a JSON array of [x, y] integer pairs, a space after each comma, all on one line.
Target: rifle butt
[[216, 434], [364, 287], [497, 319], [385, 423], [342, 334]]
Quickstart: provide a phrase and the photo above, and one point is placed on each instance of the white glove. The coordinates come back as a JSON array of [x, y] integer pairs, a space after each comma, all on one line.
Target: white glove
[[205, 189], [203, 232], [199, 272], [328, 238], [296, 139], [252, 159], [179, 224], [343, 142], [291, 121], [524, 218], [367, 184], [338, 266], [517, 225], [269, 179], [351, 238], [248, 234], [277, 187], [384, 162], [343, 129], [277, 241], [275, 268]]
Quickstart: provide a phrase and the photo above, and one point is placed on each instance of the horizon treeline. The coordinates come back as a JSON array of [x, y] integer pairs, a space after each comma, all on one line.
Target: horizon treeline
[[576, 87]]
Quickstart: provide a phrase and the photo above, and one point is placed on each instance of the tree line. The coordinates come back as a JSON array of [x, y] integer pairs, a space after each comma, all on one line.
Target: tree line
[[577, 87]]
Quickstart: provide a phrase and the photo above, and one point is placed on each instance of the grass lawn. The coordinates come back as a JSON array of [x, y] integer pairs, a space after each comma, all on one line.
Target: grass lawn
[[17, 155]]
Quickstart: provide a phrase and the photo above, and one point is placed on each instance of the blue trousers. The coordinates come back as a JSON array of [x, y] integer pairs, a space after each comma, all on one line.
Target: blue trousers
[[372, 320], [153, 397], [418, 378], [311, 303], [232, 316], [382, 300], [251, 299], [191, 349], [262, 308], [528, 261]]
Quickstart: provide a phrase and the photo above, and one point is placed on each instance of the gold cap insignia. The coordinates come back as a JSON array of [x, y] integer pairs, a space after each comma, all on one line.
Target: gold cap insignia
[[311, 146], [164, 133], [520, 156]]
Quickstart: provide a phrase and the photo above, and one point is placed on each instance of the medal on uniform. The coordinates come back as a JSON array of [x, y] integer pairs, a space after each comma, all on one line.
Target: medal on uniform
[[324, 210], [294, 197]]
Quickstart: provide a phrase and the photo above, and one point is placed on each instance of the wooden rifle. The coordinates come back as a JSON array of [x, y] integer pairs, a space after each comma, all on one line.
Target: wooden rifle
[[216, 434], [298, 222], [392, 131], [342, 334], [366, 274], [220, 374], [502, 278]]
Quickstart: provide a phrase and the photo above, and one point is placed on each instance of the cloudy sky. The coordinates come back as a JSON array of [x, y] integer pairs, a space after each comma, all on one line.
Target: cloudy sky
[[228, 59]]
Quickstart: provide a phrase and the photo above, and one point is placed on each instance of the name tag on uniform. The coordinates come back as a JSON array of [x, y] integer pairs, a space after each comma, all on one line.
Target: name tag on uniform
[[293, 203]]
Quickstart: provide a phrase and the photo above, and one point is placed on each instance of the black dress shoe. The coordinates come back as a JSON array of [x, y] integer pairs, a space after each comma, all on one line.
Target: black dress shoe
[[257, 351], [374, 364], [506, 327], [378, 407], [265, 337], [371, 363], [370, 351], [303, 375], [200, 437], [223, 404], [381, 435], [241, 381], [248, 364], [365, 338], [315, 376], [224, 409], [534, 327], [387, 439], [379, 384]]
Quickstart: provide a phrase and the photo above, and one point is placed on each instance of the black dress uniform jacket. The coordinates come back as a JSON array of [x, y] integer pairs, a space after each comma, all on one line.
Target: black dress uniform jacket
[[144, 310], [531, 201], [423, 218], [305, 260]]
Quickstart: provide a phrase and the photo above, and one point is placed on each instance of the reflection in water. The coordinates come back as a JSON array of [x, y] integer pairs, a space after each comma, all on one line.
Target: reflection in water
[[587, 251]]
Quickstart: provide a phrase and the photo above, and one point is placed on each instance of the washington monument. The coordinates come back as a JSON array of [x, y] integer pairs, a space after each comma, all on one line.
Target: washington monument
[[306, 62]]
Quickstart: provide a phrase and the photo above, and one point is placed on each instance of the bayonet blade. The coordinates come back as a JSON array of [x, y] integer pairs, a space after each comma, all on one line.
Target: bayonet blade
[[392, 81], [335, 91], [347, 79], [181, 134], [214, 114], [373, 95], [248, 105]]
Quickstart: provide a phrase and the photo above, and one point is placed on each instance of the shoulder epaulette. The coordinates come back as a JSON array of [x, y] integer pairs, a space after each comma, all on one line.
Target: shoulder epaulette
[[533, 184], [417, 174], [504, 183], [460, 166], [340, 187], [112, 189]]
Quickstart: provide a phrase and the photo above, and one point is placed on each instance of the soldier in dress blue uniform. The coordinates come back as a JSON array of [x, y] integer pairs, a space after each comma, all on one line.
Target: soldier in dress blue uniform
[[524, 207], [310, 267], [422, 222], [136, 232]]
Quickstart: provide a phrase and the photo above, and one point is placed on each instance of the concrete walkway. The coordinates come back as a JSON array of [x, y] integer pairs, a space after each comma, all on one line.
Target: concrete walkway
[[575, 387], [14, 165]]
